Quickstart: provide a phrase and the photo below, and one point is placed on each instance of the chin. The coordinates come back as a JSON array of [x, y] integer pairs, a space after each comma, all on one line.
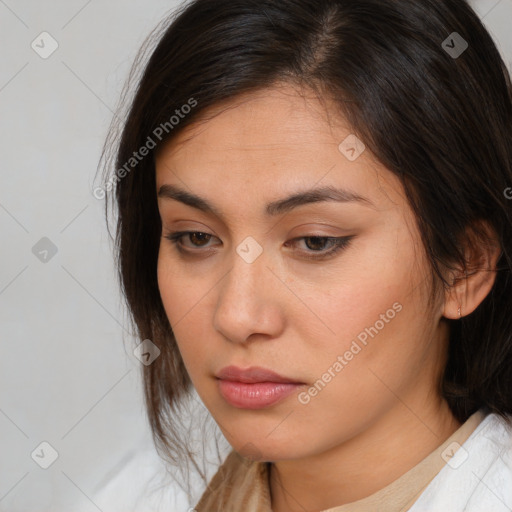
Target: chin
[[267, 450]]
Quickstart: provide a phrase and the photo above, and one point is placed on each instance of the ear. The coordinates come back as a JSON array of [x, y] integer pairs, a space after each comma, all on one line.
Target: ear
[[471, 285]]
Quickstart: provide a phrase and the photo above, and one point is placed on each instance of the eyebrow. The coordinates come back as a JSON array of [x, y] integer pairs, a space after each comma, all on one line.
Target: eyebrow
[[281, 206]]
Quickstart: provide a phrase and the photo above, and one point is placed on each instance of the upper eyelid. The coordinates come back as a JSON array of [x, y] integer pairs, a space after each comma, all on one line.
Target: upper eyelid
[[176, 236], [184, 233]]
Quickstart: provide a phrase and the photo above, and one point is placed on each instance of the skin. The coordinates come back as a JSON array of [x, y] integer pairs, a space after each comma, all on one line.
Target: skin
[[296, 316]]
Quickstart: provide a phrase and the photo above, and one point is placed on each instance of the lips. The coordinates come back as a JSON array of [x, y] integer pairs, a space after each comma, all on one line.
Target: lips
[[253, 375], [255, 387]]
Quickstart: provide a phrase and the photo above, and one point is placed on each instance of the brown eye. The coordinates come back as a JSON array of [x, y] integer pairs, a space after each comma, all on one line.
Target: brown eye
[[322, 247], [318, 242], [197, 239], [317, 247], [200, 238]]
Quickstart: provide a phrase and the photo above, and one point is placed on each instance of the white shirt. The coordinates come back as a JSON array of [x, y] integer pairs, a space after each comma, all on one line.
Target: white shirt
[[478, 478]]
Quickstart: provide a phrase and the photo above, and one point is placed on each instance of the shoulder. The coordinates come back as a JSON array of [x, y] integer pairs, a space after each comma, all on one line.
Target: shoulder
[[478, 477]]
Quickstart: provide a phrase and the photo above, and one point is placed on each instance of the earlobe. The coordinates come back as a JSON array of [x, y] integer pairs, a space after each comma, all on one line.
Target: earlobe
[[455, 298], [471, 286]]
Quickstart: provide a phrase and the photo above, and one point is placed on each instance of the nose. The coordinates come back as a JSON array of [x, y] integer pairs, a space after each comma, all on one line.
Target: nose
[[250, 302]]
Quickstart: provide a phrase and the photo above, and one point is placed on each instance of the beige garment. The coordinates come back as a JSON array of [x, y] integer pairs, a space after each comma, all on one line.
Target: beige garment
[[241, 485]]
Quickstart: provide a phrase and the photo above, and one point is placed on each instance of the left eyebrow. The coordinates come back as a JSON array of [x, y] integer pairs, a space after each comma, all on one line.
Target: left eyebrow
[[327, 193]]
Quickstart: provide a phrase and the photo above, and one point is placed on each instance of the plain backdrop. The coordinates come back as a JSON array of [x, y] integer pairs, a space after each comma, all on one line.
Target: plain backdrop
[[66, 376]]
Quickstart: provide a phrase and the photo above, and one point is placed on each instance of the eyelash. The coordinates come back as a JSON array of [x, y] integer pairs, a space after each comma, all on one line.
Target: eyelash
[[338, 243]]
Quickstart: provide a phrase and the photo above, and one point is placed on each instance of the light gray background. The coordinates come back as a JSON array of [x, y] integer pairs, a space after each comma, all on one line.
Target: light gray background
[[66, 377]]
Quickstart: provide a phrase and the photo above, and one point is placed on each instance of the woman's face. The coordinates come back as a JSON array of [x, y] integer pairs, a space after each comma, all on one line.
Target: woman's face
[[349, 332]]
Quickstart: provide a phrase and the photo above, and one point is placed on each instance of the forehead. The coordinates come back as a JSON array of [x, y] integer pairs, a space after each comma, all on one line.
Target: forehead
[[268, 144], [272, 120]]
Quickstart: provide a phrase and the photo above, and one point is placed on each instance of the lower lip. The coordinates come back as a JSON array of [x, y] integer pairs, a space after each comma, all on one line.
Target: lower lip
[[257, 395]]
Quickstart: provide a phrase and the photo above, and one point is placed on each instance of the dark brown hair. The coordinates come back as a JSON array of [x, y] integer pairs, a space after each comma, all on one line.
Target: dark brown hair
[[441, 122]]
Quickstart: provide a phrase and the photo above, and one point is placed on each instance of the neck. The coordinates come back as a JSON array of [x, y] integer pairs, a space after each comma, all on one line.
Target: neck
[[364, 464]]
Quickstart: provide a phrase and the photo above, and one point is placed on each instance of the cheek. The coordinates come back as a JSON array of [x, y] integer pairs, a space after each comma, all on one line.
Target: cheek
[[372, 325], [362, 295], [176, 294], [185, 294], [182, 286], [378, 329], [169, 285]]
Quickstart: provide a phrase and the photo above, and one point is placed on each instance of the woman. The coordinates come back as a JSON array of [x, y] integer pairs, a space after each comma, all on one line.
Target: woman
[[314, 234]]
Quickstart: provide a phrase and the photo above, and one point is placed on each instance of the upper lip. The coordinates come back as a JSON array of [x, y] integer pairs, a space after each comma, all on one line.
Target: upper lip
[[252, 375]]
